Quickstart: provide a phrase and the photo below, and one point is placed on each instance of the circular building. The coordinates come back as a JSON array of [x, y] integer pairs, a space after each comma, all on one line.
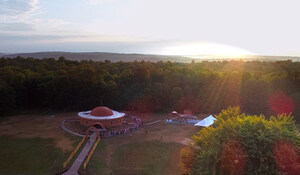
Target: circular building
[[101, 117]]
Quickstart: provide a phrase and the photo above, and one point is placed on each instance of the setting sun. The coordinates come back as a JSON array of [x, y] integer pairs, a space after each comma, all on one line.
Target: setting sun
[[205, 49]]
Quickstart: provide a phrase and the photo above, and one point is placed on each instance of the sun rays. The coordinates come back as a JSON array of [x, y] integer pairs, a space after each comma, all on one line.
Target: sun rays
[[225, 88]]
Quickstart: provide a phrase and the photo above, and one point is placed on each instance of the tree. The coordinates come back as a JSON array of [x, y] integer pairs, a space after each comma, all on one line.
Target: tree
[[7, 98], [245, 144], [187, 160]]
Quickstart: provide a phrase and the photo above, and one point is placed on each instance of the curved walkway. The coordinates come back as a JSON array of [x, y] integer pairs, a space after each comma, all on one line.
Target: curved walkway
[[154, 122], [81, 157], [62, 125]]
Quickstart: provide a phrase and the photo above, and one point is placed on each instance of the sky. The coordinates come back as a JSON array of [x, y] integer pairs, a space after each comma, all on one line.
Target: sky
[[172, 27]]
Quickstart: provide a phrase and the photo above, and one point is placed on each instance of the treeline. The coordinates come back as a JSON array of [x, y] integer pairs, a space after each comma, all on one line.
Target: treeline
[[206, 87]]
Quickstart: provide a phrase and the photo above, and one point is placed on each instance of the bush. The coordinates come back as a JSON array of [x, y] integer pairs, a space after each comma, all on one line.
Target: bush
[[245, 144]]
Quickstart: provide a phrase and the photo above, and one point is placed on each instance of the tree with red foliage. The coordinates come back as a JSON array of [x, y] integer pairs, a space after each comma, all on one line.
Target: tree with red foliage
[[233, 158], [286, 157]]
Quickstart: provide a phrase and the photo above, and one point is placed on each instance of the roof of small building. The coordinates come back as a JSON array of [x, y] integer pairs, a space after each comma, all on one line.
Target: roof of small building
[[101, 113]]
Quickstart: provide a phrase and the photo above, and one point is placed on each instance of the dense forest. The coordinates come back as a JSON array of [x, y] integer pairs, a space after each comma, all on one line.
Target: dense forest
[[205, 87]]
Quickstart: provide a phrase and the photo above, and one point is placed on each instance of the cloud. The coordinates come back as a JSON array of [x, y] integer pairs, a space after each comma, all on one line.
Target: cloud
[[13, 37], [19, 20], [97, 2], [16, 15], [13, 27], [17, 10]]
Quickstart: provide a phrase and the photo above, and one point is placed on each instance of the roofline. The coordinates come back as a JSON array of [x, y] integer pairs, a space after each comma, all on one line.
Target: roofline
[[87, 115]]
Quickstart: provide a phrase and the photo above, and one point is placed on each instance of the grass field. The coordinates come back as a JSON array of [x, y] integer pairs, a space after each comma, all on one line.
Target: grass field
[[97, 163], [147, 158], [29, 156], [141, 153], [154, 153], [34, 144], [139, 158]]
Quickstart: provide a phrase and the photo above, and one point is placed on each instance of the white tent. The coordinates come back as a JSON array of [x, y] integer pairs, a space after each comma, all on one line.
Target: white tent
[[206, 122]]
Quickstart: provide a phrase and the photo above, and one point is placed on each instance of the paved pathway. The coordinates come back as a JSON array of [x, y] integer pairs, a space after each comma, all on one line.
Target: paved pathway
[[62, 125], [81, 157], [151, 123]]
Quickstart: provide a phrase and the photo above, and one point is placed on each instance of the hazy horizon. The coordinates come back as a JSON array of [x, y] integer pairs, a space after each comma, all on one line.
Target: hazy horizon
[[139, 53]]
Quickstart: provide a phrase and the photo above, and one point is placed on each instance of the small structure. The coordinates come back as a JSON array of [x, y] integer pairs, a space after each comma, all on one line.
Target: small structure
[[206, 122], [101, 117], [175, 117], [188, 111]]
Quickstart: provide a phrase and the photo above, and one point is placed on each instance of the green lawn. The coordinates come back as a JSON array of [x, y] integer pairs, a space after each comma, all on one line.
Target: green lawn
[[147, 158], [30, 156], [137, 158], [97, 164]]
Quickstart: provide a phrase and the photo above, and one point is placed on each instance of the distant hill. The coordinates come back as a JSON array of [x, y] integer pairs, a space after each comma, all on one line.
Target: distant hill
[[115, 57], [101, 56], [245, 57]]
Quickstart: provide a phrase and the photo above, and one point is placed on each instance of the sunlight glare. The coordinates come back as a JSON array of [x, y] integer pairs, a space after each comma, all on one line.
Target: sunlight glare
[[205, 49]]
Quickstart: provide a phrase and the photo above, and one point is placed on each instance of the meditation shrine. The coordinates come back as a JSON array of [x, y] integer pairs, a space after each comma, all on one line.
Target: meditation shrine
[[101, 117]]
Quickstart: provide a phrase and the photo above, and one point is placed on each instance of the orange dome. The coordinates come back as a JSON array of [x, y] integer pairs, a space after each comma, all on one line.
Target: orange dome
[[101, 111]]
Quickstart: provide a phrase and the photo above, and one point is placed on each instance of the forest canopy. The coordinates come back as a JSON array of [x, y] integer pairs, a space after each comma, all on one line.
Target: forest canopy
[[205, 87]]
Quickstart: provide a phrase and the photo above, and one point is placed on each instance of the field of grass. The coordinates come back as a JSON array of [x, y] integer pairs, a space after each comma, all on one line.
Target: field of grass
[[147, 158], [29, 156], [34, 144], [97, 163], [142, 153], [32, 155]]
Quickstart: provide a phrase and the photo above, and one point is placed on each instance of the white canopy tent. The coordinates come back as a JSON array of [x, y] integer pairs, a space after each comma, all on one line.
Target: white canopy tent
[[206, 122]]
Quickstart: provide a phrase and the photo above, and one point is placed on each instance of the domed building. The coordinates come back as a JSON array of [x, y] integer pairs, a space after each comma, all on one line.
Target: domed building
[[101, 117]]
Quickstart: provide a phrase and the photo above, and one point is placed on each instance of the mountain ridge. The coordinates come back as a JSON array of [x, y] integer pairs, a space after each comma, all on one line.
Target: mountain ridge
[[128, 57]]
